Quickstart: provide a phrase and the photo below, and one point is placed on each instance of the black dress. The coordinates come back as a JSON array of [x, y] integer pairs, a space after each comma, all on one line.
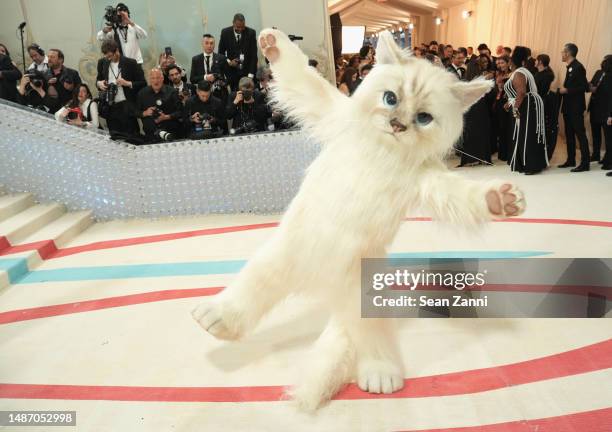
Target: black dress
[[477, 132], [529, 154], [501, 122], [543, 80]]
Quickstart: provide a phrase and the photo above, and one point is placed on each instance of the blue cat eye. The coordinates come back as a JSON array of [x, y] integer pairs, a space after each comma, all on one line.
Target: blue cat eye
[[423, 119], [389, 98]]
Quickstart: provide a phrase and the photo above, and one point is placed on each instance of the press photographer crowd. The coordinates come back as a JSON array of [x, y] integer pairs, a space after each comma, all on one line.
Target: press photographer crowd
[[226, 92]]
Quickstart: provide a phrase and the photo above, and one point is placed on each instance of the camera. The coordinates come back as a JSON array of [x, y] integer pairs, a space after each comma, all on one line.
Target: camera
[[74, 113], [106, 99], [248, 127], [108, 96], [247, 94], [205, 129], [37, 79], [111, 16]]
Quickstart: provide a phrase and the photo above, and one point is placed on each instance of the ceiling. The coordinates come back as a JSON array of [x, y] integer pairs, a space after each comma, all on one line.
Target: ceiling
[[377, 15]]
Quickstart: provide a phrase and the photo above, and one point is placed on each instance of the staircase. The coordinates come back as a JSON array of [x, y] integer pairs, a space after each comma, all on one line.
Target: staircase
[[31, 232]]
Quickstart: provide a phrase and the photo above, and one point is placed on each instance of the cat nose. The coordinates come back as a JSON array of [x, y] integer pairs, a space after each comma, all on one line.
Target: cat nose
[[397, 125]]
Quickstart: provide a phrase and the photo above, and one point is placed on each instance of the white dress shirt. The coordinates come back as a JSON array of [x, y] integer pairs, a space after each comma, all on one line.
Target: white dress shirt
[[93, 112], [131, 48]]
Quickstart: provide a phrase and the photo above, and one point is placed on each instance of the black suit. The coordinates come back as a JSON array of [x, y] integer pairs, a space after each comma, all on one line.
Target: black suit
[[230, 48], [573, 112], [218, 65], [122, 115], [599, 108], [456, 72], [10, 77]]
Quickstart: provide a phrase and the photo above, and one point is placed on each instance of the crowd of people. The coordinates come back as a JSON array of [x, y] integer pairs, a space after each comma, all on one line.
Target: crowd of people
[[224, 93], [518, 119]]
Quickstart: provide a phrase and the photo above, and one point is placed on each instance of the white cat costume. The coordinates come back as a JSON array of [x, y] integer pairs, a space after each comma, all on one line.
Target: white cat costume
[[382, 155]]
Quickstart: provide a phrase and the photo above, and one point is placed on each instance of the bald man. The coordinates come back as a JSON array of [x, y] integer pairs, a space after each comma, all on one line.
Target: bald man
[[160, 109]]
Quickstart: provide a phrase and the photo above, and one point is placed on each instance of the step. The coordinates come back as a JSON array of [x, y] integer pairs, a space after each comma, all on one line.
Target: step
[[64, 229], [24, 224], [14, 268], [10, 205]]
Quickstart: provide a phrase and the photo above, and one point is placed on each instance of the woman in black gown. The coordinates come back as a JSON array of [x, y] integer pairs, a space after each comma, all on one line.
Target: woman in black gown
[[529, 154], [543, 79], [502, 119], [477, 123]]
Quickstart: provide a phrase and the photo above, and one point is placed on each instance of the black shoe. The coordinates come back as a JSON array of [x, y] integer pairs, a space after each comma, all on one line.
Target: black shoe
[[580, 168], [567, 165], [595, 158], [609, 174], [606, 166]]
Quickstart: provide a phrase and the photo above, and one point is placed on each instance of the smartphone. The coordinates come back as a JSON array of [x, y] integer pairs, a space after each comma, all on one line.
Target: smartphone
[[168, 51]]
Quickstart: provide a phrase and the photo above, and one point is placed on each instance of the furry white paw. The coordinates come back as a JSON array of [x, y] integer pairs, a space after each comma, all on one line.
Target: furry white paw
[[310, 396], [505, 201], [275, 45], [210, 317], [379, 376]]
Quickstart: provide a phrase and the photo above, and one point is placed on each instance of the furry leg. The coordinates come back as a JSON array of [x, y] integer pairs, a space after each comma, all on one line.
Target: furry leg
[[466, 202], [327, 368], [297, 88], [379, 364], [265, 280]]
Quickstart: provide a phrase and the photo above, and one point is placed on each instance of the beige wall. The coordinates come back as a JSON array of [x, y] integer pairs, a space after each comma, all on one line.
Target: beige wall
[[542, 25]]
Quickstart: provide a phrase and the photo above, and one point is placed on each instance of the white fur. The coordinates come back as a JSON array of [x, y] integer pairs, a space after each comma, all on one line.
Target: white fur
[[350, 205]]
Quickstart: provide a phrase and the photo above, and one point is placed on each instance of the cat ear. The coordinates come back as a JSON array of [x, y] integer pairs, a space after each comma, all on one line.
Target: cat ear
[[470, 92], [387, 51]]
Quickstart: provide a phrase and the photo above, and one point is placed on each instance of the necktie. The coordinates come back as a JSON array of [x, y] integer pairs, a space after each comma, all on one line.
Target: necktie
[[238, 38], [461, 71], [207, 64]]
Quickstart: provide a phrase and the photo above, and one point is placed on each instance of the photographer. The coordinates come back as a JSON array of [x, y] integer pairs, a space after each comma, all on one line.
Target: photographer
[[160, 109], [120, 28], [9, 75], [61, 81], [210, 67], [238, 44], [32, 92], [40, 62], [247, 108], [81, 111], [184, 90], [275, 119], [119, 79], [205, 112]]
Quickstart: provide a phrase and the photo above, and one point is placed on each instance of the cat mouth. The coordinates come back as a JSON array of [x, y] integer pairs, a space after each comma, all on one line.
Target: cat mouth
[[397, 125]]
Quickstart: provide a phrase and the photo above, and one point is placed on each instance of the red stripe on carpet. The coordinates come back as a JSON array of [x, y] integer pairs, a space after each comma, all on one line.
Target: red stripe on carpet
[[105, 303], [50, 251], [156, 238], [578, 361], [155, 296], [587, 421], [604, 224]]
